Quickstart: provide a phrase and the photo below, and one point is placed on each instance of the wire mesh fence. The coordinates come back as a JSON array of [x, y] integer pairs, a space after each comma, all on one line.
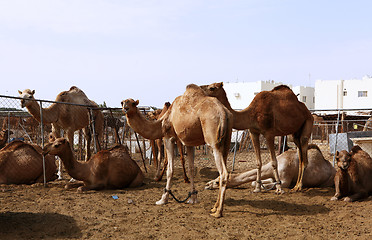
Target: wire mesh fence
[[90, 129]]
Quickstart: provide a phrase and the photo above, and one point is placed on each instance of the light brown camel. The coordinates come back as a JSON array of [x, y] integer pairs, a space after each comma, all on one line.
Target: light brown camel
[[353, 180], [272, 113], [195, 119], [107, 169], [157, 148], [67, 117], [319, 172], [22, 163]]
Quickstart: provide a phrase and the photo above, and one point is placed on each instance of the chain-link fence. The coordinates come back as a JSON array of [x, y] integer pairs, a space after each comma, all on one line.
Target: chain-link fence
[[36, 122]]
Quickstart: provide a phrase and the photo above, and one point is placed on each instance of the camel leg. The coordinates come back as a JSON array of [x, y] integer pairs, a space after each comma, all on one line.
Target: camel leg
[[338, 181], [182, 158], [256, 145], [159, 173], [274, 164], [190, 158], [169, 146], [301, 139], [221, 167], [88, 139]]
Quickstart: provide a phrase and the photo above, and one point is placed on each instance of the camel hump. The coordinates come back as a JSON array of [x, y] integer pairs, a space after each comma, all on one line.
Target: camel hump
[[17, 144], [355, 149], [313, 146], [281, 87]]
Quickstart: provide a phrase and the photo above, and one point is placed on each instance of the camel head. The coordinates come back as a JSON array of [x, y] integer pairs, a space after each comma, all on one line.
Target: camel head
[[57, 147], [129, 106], [27, 95], [213, 90], [343, 159]]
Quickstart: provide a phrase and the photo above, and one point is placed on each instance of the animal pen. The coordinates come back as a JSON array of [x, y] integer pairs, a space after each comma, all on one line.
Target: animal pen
[[334, 130]]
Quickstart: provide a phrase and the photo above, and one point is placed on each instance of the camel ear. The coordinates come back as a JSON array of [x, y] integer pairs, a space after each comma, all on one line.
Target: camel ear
[[337, 154], [136, 103], [33, 92], [220, 84], [19, 92]]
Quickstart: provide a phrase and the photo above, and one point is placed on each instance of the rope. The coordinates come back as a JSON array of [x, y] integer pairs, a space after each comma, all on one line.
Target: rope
[[180, 201], [268, 189]]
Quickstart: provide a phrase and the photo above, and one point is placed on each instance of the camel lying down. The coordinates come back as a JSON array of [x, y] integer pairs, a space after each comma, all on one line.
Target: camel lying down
[[22, 163], [353, 180], [318, 173], [108, 169]]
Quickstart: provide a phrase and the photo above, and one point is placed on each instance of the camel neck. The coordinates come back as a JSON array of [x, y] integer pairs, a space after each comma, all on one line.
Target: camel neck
[[77, 170], [146, 128], [49, 115]]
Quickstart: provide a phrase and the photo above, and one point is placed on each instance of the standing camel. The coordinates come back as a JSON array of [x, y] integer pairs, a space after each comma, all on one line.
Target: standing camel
[[271, 113], [194, 119], [68, 117], [157, 144]]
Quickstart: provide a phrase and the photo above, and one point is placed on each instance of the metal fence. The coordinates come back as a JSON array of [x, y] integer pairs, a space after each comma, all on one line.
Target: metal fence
[[334, 130]]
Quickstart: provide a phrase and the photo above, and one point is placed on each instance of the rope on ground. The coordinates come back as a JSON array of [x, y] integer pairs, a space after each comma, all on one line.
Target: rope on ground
[[180, 201]]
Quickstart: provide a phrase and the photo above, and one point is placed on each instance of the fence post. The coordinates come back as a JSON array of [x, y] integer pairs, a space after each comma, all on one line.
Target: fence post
[[92, 121], [334, 149], [42, 139], [236, 142]]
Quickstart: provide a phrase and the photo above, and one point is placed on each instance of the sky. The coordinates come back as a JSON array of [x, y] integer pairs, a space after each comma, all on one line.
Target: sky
[[151, 50]]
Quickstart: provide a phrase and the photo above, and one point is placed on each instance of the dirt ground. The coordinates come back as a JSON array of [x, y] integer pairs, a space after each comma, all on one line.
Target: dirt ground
[[38, 212]]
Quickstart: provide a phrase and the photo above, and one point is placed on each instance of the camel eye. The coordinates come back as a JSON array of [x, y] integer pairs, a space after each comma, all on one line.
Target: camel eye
[[212, 88]]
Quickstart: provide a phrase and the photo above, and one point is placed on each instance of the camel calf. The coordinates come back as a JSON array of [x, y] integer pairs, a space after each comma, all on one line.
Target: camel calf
[[353, 179], [318, 173]]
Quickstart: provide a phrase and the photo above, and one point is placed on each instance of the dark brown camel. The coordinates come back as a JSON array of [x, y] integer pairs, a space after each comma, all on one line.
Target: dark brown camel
[[272, 113], [107, 169]]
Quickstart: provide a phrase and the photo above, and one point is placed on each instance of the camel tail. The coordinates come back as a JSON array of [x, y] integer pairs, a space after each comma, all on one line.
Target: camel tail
[[224, 131]]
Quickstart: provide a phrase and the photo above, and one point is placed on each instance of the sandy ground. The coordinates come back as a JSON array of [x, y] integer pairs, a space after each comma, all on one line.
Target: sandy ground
[[38, 212]]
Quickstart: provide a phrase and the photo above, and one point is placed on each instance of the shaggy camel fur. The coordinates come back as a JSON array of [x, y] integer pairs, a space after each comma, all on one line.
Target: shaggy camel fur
[[319, 172], [272, 113], [22, 163], [64, 116], [107, 169], [195, 119], [353, 180], [157, 148]]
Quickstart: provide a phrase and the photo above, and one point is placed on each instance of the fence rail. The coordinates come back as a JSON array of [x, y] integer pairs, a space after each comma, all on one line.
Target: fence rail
[[334, 129]]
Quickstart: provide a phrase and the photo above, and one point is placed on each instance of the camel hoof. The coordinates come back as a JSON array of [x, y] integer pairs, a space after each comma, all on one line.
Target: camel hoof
[[161, 202], [257, 190], [80, 189], [279, 191], [213, 210], [187, 180], [216, 214], [192, 201], [347, 199], [211, 185], [334, 199]]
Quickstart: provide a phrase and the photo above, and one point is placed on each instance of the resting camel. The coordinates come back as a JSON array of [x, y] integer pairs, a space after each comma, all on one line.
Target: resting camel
[[22, 163], [157, 146], [319, 171], [194, 119], [107, 169], [64, 116], [272, 113], [353, 180]]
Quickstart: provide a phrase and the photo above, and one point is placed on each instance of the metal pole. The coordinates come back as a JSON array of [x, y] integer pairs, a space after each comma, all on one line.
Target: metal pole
[[42, 139], [334, 149], [8, 127], [139, 146], [236, 142], [93, 129]]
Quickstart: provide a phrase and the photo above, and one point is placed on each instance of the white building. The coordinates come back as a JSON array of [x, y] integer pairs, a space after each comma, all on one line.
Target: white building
[[241, 94], [343, 94]]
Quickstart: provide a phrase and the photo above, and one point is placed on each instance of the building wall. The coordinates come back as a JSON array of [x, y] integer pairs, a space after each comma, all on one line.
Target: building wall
[[343, 94], [241, 94]]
